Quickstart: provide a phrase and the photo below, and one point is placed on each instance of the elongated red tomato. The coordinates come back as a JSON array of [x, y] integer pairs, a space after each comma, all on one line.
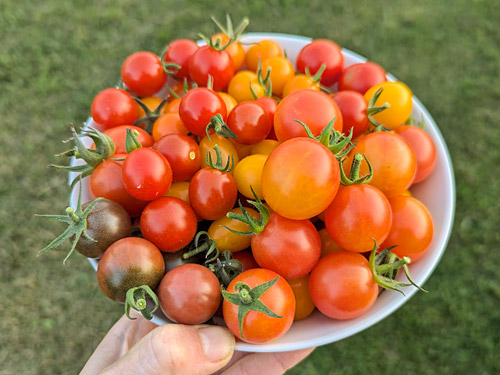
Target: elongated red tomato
[[300, 178]]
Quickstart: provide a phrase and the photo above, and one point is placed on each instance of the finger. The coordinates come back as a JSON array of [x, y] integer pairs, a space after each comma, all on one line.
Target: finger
[[177, 349], [267, 363], [120, 338]]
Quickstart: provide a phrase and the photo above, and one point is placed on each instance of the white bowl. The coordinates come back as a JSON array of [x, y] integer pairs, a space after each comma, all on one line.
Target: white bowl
[[437, 192]]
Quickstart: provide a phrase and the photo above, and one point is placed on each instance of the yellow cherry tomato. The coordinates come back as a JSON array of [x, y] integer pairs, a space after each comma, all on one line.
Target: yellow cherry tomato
[[248, 173], [235, 50], [229, 101], [168, 123], [328, 245], [299, 82], [227, 240], [225, 146], [242, 150], [264, 147], [261, 51], [304, 304], [399, 97], [281, 72], [239, 86]]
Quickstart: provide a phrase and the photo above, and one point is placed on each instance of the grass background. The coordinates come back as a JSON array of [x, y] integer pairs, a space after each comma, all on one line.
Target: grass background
[[56, 55]]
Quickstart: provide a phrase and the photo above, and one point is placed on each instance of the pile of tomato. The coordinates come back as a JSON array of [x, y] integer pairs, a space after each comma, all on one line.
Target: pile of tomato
[[232, 183]]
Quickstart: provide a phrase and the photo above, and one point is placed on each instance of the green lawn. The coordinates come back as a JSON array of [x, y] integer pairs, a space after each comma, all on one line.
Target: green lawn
[[56, 55]]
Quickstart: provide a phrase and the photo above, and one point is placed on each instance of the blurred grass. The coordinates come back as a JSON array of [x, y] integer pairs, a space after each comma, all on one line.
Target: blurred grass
[[56, 55]]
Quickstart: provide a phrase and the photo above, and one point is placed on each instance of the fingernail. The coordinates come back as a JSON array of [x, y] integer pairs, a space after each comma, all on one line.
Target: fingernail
[[218, 343]]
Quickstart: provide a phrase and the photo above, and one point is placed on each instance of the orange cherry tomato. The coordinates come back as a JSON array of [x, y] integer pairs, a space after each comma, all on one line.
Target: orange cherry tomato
[[299, 82], [225, 146], [228, 100], [304, 305], [179, 190], [281, 72], [173, 106], [264, 147], [261, 51], [239, 86], [328, 245], [169, 123]]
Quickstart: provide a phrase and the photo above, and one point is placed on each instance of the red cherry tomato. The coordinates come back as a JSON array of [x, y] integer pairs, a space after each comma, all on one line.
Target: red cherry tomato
[[183, 155], [180, 52], [314, 108], [106, 181], [304, 305], [212, 193], [198, 107], [142, 73], [119, 133], [317, 53], [269, 105], [113, 107], [250, 123], [288, 247], [208, 61], [353, 107], [169, 223], [146, 173], [189, 294], [257, 326], [342, 285], [246, 259], [424, 149], [360, 77], [412, 228], [358, 215]]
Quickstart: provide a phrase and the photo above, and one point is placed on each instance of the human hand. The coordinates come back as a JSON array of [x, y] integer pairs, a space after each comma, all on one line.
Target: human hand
[[141, 347]]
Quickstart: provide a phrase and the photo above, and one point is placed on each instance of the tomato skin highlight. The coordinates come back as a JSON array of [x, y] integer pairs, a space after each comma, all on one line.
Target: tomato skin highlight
[[189, 294], [169, 223], [128, 263], [300, 178], [208, 61], [113, 107], [342, 285], [358, 215], [250, 123], [259, 328], [261, 51]]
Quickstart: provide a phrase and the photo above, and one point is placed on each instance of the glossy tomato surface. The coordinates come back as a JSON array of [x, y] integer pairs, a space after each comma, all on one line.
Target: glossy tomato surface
[[208, 61], [142, 73], [119, 133], [180, 52], [361, 76], [113, 107], [317, 53]]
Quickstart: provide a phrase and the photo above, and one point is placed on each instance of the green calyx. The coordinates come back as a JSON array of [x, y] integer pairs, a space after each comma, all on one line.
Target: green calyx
[[372, 110], [316, 77], [218, 125], [77, 225], [225, 268], [354, 178], [150, 116], [218, 161], [207, 245], [256, 226], [136, 298], [234, 34], [248, 299], [104, 148], [264, 82], [338, 143], [385, 266], [131, 141]]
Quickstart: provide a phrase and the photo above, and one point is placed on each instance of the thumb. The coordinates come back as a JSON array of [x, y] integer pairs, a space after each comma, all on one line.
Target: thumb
[[177, 349]]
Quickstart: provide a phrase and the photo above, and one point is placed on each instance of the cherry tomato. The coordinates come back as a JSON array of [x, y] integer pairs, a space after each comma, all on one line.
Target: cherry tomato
[[129, 263], [249, 122], [228, 100], [169, 223], [264, 147], [227, 240], [242, 149], [182, 153], [113, 107], [172, 106], [360, 77], [261, 51], [270, 106], [179, 190], [142, 73], [208, 61], [169, 123], [392, 159], [180, 52], [295, 189], [399, 96], [299, 82], [412, 228], [235, 49], [151, 102], [328, 245], [258, 327], [246, 259], [179, 88], [119, 133], [342, 285], [304, 305], [146, 174], [226, 148], [289, 247], [198, 107], [313, 108], [353, 107], [212, 193], [423, 147], [189, 294], [248, 175], [239, 86], [106, 181], [281, 72], [317, 53], [358, 215]]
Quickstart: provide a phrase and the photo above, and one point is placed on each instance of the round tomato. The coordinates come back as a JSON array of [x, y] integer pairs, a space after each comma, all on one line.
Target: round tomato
[[169, 223], [360, 77], [258, 327], [328, 245], [226, 148], [235, 49], [321, 52], [261, 51], [313, 108], [353, 107], [295, 189], [342, 285], [270, 106], [189, 294], [119, 133], [169, 123], [264, 147], [300, 82], [304, 305], [229, 101], [248, 175], [142, 73], [249, 122], [242, 84], [180, 52], [209, 61], [281, 72], [246, 259], [113, 107]]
